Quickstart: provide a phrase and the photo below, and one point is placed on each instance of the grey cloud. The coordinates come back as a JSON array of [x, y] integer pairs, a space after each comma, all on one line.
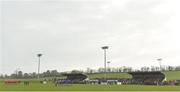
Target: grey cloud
[[70, 33]]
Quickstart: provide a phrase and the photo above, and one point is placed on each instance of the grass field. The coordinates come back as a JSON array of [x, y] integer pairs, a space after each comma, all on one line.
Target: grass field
[[81, 87], [109, 75], [36, 86], [170, 75]]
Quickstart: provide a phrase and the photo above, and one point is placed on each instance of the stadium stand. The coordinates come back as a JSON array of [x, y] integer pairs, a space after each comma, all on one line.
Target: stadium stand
[[76, 77], [148, 78], [72, 78]]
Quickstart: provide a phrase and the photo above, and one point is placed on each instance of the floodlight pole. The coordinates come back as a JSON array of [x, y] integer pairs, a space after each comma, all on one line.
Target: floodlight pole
[[108, 65], [105, 48], [16, 71], [39, 62], [160, 66]]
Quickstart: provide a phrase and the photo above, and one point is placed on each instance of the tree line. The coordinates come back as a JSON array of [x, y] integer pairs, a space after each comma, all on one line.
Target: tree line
[[54, 73]]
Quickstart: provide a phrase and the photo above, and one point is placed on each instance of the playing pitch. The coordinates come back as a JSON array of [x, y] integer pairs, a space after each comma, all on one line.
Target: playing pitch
[[84, 87]]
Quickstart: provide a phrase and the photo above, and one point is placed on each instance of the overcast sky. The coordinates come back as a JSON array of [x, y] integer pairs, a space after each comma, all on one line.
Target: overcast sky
[[70, 33]]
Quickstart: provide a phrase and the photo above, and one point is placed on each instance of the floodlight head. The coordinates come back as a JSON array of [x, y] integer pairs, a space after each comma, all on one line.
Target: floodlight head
[[39, 55], [105, 47], [159, 59], [108, 62]]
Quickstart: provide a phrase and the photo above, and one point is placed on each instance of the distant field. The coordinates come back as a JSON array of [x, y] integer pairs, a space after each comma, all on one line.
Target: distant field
[[171, 75], [109, 75]]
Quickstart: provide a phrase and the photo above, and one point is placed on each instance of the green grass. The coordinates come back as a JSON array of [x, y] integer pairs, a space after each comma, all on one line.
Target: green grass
[[36, 86], [170, 75], [109, 75], [78, 87]]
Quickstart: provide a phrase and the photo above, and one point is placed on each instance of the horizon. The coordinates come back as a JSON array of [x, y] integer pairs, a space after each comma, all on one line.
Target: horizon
[[166, 69]]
